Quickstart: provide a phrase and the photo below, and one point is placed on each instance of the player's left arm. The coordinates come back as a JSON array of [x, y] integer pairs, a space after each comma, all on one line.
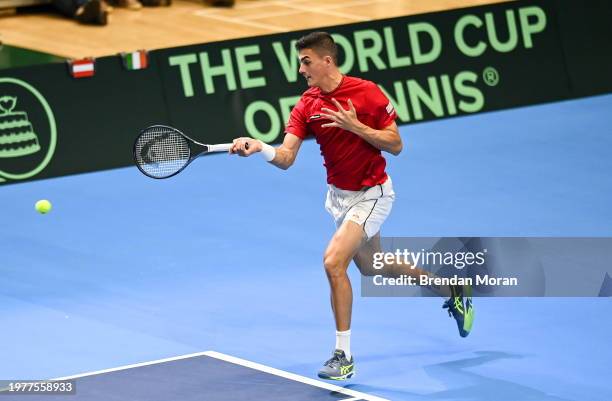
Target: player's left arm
[[387, 139]]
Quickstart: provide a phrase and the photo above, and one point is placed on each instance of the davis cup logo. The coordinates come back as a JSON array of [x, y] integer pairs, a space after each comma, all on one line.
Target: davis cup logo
[[28, 133], [18, 136]]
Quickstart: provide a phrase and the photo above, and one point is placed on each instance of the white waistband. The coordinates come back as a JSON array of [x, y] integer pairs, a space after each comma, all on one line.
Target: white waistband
[[346, 192]]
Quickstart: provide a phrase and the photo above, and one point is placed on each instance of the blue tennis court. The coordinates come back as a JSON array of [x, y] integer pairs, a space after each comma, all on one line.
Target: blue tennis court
[[226, 257]]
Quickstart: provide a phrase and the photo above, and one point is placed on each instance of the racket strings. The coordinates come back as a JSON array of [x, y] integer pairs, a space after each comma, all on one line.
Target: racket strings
[[161, 152]]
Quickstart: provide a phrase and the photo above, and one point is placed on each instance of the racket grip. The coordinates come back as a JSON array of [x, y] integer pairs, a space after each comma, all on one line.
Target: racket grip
[[222, 147]]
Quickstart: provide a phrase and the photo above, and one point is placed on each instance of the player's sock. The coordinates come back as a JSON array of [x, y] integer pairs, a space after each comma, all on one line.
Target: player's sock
[[343, 342]]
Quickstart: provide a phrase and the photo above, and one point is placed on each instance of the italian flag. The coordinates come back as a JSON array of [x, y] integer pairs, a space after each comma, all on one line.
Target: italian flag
[[136, 60]]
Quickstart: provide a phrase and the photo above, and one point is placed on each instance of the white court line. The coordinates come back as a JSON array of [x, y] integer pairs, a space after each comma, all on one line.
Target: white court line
[[260, 4], [325, 11], [296, 5], [292, 376], [135, 365], [252, 5], [293, 8], [240, 21], [318, 9], [360, 3], [282, 13], [335, 5], [243, 362]]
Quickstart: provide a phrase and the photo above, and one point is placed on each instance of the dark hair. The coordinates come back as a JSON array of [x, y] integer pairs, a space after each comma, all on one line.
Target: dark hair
[[320, 42]]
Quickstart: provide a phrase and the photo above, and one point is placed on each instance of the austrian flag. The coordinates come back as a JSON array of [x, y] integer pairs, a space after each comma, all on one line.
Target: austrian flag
[[136, 60], [82, 68]]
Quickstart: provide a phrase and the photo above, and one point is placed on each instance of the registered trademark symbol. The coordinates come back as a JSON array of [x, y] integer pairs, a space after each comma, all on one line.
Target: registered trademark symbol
[[490, 76]]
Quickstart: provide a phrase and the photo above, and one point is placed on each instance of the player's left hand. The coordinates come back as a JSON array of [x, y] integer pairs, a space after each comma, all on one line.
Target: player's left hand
[[345, 119]]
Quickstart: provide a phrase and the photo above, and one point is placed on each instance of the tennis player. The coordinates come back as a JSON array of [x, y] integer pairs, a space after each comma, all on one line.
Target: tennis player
[[353, 122]]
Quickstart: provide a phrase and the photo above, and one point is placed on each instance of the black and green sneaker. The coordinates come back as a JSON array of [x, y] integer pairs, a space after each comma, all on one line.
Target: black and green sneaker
[[460, 307], [337, 367]]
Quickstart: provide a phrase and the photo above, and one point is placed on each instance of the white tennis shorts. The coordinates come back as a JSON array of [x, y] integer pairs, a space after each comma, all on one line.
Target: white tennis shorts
[[369, 208]]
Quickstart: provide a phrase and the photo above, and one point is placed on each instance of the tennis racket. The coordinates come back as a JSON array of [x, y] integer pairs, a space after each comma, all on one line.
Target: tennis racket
[[162, 152]]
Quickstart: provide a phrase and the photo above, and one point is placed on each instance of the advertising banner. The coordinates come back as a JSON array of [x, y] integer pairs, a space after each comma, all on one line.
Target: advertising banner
[[430, 66]]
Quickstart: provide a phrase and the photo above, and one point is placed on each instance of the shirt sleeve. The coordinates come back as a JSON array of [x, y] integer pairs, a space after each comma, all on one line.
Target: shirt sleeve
[[297, 122], [384, 112]]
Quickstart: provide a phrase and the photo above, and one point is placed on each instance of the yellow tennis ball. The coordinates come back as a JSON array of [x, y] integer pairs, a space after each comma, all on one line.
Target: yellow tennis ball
[[43, 206]]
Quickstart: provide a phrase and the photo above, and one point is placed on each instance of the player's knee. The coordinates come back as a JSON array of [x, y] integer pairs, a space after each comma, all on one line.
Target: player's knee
[[334, 264]]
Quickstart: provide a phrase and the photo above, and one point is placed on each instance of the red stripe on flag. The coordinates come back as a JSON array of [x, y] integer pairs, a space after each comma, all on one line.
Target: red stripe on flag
[[144, 59], [82, 68]]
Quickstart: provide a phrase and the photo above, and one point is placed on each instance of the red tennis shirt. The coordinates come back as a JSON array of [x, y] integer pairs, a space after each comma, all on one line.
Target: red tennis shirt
[[351, 162]]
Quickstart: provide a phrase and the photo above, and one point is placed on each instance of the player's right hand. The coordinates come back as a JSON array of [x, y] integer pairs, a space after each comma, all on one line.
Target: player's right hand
[[245, 146]]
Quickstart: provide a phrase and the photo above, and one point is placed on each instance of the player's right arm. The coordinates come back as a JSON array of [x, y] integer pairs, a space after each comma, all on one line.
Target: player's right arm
[[284, 155], [287, 152]]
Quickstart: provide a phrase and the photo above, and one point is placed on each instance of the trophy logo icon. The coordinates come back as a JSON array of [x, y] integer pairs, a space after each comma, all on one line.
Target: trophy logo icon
[[27, 139], [17, 136]]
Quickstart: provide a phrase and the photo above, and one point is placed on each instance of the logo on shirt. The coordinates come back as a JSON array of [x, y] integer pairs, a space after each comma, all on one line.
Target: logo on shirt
[[314, 117], [390, 108]]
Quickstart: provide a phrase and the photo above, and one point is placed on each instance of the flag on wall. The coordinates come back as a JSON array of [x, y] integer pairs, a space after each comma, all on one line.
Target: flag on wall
[[82, 68], [137, 60]]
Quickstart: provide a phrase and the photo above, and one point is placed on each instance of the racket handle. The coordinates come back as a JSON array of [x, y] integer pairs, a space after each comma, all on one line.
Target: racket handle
[[222, 147]]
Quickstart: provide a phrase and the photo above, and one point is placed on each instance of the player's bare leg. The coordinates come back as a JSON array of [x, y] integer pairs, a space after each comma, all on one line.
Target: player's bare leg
[[341, 249]]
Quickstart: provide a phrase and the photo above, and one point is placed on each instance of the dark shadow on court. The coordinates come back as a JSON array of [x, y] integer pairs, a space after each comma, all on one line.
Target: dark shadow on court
[[455, 373]]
